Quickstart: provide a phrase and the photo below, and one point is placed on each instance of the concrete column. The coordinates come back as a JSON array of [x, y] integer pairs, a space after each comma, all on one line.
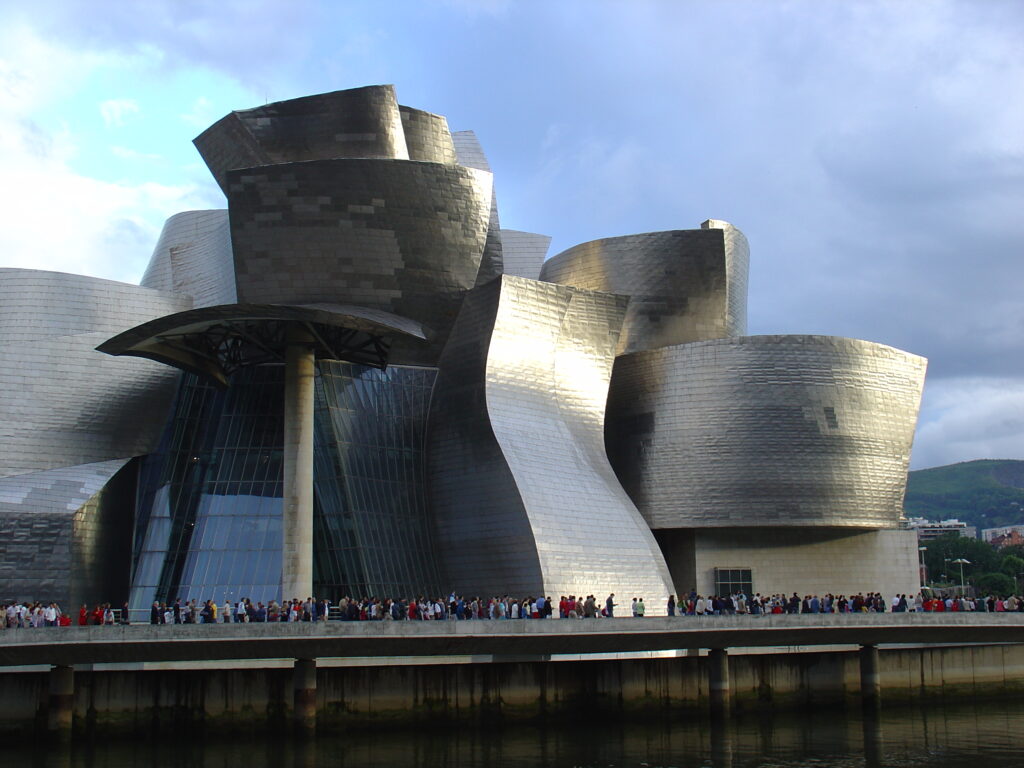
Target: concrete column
[[718, 682], [297, 560], [870, 682], [60, 705], [304, 701]]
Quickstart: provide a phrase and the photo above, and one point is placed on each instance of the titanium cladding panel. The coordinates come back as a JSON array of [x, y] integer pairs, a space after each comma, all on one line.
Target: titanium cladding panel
[[62, 403], [193, 257], [684, 285], [530, 400], [765, 430], [359, 122], [523, 253], [60, 541], [403, 236]]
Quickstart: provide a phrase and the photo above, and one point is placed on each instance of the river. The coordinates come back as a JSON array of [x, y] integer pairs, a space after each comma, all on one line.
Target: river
[[962, 735]]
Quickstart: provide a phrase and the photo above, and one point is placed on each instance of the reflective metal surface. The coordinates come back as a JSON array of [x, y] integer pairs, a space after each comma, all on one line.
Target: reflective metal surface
[[765, 431], [470, 153], [359, 122], [684, 285], [405, 237], [427, 136], [523, 253], [62, 403], [64, 533], [524, 499], [193, 257]]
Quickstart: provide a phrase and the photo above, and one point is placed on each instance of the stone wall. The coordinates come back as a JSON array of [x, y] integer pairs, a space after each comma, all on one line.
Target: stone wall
[[473, 694]]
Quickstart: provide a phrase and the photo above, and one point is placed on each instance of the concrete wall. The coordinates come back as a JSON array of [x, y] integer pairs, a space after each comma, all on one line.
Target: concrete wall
[[523, 691], [801, 560]]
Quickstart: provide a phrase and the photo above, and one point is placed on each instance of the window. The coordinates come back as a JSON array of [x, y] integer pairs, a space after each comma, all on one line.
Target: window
[[729, 581]]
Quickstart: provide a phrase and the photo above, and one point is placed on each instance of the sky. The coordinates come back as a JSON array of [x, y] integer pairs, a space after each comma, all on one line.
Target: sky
[[872, 152]]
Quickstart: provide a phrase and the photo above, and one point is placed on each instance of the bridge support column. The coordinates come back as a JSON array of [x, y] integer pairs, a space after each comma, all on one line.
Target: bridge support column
[[297, 557], [60, 704], [718, 682], [304, 699], [870, 682]]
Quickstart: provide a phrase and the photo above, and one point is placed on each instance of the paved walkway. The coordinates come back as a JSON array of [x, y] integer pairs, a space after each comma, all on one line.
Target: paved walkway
[[185, 642]]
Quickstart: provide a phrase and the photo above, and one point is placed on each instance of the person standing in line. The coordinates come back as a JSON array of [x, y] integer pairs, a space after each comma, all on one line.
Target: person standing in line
[[609, 606], [671, 605], [641, 609]]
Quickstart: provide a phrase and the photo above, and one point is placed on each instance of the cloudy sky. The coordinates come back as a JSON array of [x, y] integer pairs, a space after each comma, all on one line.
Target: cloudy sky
[[873, 152]]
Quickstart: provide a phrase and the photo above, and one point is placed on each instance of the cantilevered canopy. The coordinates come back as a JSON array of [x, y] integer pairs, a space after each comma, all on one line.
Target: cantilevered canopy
[[216, 341]]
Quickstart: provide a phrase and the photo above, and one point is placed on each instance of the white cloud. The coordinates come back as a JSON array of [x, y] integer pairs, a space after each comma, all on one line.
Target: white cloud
[[116, 111], [63, 220], [126, 153], [970, 418], [201, 115]]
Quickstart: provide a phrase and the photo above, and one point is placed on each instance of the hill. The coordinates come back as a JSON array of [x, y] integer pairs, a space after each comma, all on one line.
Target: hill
[[986, 493]]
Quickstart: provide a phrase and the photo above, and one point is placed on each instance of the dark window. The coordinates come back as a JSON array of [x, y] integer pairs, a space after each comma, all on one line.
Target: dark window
[[729, 581]]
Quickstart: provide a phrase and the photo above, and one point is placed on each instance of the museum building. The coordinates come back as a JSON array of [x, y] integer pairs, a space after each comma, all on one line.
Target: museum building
[[353, 381]]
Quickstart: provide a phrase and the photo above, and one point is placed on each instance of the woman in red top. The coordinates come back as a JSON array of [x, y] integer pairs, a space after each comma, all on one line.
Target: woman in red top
[[83, 616]]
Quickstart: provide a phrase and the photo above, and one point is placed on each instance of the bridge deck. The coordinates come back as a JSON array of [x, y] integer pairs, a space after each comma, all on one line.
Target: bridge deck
[[145, 643]]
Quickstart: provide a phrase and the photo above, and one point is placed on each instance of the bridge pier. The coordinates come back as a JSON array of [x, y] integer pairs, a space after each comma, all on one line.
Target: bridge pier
[[60, 703], [718, 682], [870, 679], [304, 695]]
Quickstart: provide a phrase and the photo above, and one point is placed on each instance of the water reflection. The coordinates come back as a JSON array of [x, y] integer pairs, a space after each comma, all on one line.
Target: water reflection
[[961, 736]]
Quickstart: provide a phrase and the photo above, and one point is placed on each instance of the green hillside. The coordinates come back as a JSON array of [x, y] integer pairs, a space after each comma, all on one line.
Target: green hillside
[[986, 493]]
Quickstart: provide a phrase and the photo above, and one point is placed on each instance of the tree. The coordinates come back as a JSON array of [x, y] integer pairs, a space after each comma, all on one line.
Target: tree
[[983, 559], [995, 584], [1011, 565]]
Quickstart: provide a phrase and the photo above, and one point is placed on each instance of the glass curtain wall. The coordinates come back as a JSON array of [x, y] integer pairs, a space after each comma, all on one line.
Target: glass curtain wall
[[371, 530], [210, 499], [208, 524]]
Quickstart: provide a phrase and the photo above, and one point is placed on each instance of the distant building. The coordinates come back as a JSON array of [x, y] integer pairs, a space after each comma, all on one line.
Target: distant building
[[1012, 539], [990, 534], [928, 530]]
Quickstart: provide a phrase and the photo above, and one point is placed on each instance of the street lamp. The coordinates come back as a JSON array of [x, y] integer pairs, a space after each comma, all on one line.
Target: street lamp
[[961, 562], [924, 569]]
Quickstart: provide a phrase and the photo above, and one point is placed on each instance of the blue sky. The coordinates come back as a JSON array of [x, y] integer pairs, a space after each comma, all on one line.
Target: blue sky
[[872, 152]]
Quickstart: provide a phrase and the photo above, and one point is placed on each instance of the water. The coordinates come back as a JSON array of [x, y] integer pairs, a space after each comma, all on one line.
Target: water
[[951, 736]]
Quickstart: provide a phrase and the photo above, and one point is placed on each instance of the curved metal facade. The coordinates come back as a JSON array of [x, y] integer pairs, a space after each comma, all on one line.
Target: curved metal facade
[[684, 285], [62, 403], [523, 253], [358, 122], [517, 463], [193, 257], [765, 431], [406, 237], [427, 136], [66, 532]]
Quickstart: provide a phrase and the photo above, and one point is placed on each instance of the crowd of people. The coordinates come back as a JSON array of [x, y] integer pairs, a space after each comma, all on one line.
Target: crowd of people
[[457, 608]]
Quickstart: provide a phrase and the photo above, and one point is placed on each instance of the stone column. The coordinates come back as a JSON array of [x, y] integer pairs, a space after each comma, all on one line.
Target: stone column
[[870, 682], [297, 522], [304, 700], [718, 682], [60, 705]]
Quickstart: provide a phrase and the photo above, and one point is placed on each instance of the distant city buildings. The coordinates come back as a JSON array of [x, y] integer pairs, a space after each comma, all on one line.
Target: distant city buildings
[[928, 529]]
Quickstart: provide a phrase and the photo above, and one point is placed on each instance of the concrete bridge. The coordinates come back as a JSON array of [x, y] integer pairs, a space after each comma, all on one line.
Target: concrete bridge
[[62, 648], [65, 646]]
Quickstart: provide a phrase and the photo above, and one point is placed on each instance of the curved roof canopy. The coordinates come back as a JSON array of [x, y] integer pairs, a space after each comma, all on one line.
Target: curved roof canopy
[[215, 341]]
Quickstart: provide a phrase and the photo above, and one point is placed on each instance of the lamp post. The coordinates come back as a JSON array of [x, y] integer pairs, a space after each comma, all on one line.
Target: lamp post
[[924, 568], [961, 562]]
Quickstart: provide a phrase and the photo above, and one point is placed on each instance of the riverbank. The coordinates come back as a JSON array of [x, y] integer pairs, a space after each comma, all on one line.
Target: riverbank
[[498, 691]]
